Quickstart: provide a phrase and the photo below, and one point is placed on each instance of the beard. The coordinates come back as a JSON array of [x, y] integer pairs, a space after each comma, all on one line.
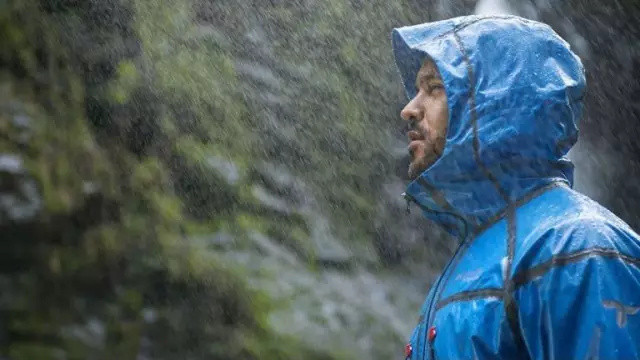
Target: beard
[[422, 159]]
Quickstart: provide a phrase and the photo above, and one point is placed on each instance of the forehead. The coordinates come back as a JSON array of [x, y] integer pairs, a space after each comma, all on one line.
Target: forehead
[[428, 68]]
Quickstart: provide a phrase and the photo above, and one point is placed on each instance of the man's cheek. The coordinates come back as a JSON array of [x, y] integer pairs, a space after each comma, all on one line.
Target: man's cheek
[[439, 144]]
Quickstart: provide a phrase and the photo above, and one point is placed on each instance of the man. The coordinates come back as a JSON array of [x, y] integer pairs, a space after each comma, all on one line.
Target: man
[[542, 272]]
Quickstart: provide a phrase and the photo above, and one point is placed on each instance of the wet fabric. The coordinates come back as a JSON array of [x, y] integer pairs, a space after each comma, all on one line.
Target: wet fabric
[[542, 272]]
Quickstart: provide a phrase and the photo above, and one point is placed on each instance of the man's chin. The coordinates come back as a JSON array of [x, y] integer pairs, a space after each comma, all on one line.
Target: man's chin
[[418, 166]]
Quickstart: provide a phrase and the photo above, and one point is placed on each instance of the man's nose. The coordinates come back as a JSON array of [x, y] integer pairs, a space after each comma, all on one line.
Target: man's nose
[[411, 111]]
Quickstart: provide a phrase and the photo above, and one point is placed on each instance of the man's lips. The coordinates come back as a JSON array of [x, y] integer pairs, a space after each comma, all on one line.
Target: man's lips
[[414, 135], [417, 144]]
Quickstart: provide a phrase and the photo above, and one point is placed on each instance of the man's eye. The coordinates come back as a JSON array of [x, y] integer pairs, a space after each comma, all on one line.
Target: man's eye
[[432, 87]]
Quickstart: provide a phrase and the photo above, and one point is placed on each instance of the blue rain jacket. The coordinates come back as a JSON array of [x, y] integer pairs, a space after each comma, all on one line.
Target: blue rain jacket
[[542, 271]]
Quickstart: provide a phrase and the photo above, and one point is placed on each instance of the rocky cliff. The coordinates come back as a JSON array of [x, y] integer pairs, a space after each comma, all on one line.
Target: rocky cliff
[[199, 179]]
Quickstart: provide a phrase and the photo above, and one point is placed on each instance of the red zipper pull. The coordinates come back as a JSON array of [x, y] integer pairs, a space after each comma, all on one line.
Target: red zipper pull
[[431, 335], [408, 350]]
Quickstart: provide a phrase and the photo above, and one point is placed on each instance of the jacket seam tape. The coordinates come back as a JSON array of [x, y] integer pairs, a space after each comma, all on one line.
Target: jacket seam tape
[[519, 202], [510, 305], [526, 276], [470, 295], [472, 22], [474, 122]]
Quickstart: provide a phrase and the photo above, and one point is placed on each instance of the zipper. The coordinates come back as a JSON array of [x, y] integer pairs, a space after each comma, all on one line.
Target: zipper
[[436, 294], [436, 297]]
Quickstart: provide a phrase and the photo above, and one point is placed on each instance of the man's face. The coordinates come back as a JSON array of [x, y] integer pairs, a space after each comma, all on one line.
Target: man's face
[[428, 116]]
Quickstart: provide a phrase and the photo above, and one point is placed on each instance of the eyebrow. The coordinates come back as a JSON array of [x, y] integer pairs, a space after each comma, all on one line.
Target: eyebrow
[[425, 77]]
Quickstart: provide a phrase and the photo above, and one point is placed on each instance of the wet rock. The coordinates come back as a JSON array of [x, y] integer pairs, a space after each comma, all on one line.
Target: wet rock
[[329, 251], [21, 121], [330, 308], [149, 315], [269, 247], [221, 240], [259, 73], [204, 189], [90, 188], [11, 164], [208, 32], [280, 180], [20, 200], [271, 201], [225, 168], [285, 193], [92, 333], [21, 124]]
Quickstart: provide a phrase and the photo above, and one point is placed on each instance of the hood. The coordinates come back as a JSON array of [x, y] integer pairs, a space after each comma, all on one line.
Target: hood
[[514, 90]]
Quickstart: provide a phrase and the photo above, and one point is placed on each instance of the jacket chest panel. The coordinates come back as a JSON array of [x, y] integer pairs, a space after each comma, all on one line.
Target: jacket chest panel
[[481, 264], [465, 299], [472, 329]]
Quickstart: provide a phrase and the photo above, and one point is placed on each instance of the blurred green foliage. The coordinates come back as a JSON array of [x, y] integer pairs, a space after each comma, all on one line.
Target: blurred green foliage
[[127, 102], [104, 271]]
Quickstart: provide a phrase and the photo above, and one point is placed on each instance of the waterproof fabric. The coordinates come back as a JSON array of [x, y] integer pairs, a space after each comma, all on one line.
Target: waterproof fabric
[[542, 272]]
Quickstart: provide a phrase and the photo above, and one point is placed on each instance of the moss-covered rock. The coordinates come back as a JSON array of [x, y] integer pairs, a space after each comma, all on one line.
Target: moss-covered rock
[[95, 262]]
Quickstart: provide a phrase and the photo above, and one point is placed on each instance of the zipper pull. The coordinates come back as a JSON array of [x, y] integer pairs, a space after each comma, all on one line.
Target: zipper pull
[[406, 197], [408, 350]]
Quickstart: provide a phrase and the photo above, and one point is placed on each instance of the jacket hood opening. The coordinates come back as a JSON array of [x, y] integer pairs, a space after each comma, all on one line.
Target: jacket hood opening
[[514, 92]]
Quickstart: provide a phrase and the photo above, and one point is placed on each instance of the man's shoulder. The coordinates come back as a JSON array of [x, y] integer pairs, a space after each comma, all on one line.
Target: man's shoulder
[[587, 219], [569, 224], [566, 210]]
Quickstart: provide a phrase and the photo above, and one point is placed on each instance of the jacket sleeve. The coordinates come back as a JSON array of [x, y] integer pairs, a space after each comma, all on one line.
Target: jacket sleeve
[[584, 302]]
